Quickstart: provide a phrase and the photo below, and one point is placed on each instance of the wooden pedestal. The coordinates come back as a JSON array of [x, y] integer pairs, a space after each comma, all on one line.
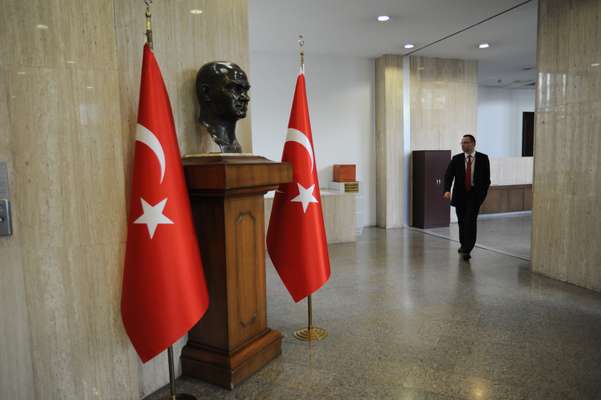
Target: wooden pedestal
[[232, 341]]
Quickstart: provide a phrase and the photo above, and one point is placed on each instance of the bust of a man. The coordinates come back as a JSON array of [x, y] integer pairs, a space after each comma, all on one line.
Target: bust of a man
[[222, 90]]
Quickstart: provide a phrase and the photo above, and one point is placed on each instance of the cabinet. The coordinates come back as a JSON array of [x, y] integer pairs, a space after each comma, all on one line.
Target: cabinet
[[430, 209], [507, 198]]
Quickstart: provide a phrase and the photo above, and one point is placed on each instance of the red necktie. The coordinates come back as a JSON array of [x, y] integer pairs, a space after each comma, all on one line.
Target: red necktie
[[468, 174]]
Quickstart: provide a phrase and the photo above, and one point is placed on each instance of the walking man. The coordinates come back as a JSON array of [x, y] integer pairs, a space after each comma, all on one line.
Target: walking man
[[471, 172]]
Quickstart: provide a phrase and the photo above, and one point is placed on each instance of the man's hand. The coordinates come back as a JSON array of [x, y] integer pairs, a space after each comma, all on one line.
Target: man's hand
[[447, 195]]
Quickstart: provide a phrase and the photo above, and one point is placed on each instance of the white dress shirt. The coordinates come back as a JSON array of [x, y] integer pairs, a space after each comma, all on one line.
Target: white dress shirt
[[473, 154]]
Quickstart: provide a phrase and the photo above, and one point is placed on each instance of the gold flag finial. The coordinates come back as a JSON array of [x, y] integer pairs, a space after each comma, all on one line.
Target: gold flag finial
[[301, 45], [148, 23]]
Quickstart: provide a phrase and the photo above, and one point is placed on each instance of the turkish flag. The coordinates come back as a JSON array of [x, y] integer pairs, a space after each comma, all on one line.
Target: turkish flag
[[164, 291], [296, 237]]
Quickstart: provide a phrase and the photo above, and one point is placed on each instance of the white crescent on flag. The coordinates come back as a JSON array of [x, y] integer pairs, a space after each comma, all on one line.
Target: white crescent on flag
[[294, 135], [144, 135]]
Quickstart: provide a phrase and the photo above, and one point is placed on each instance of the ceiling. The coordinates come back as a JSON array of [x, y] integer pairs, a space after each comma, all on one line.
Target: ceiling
[[349, 27]]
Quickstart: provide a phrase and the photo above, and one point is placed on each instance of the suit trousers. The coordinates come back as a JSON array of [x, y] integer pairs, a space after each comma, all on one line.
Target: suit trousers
[[467, 218]]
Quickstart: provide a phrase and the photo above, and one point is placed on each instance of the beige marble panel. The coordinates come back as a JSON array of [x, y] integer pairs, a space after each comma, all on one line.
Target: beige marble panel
[[57, 33], [183, 42], [16, 369], [64, 146], [567, 163], [444, 96], [69, 82], [389, 141], [69, 208]]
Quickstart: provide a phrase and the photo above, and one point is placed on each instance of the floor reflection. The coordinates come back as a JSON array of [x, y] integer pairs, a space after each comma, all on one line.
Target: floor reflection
[[510, 234]]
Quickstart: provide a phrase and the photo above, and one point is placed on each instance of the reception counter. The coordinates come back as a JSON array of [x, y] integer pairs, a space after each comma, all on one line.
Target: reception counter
[[339, 213]]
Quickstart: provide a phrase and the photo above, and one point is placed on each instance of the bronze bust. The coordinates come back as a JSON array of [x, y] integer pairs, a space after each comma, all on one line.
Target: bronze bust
[[222, 90]]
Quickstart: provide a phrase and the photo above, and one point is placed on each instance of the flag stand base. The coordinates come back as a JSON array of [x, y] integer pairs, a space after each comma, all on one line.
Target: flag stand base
[[311, 333], [181, 396], [172, 392]]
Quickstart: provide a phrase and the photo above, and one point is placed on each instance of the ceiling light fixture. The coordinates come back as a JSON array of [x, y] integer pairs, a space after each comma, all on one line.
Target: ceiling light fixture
[[483, 46], [595, 64], [409, 46], [41, 26], [196, 11], [383, 18]]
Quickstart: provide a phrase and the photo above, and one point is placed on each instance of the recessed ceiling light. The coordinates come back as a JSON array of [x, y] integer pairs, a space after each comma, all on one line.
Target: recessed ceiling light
[[383, 18], [70, 62], [409, 46], [196, 11], [41, 26], [483, 46], [89, 87], [595, 64], [21, 73]]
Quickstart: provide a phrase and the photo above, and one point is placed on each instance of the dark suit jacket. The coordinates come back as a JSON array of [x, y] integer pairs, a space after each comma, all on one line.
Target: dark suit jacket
[[456, 171]]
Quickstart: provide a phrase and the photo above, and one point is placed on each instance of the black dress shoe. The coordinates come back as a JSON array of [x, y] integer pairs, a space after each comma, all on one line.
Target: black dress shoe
[[466, 256]]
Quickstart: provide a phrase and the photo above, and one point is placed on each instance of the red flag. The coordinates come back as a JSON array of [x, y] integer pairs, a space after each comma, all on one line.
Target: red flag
[[164, 291], [296, 237]]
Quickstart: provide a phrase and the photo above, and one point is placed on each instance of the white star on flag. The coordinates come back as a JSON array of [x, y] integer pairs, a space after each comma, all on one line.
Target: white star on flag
[[153, 216], [305, 196]]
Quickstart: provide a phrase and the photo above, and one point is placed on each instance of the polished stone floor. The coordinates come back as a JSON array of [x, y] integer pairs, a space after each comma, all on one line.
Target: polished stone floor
[[508, 233], [409, 320]]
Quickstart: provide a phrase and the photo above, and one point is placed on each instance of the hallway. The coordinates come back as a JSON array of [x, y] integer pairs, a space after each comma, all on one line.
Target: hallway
[[409, 320]]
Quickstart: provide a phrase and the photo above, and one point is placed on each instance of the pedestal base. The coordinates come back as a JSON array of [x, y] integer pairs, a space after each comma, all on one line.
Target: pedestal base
[[229, 370], [232, 341]]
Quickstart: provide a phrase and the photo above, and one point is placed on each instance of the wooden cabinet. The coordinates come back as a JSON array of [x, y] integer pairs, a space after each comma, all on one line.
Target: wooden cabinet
[[430, 209]]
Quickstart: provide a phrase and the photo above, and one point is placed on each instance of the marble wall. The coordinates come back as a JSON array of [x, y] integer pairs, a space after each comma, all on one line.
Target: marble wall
[[183, 42], [389, 141], [511, 170], [444, 106], [442, 96], [567, 166], [69, 81], [444, 102]]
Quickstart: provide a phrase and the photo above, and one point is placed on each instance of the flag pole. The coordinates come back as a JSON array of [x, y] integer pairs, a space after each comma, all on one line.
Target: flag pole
[[148, 23], [310, 333], [301, 45], [172, 392]]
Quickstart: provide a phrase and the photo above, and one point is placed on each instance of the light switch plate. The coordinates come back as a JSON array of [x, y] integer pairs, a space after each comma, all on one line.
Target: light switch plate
[[6, 228]]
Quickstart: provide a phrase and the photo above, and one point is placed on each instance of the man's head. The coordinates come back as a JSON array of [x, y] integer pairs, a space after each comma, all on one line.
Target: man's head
[[468, 143], [222, 89]]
